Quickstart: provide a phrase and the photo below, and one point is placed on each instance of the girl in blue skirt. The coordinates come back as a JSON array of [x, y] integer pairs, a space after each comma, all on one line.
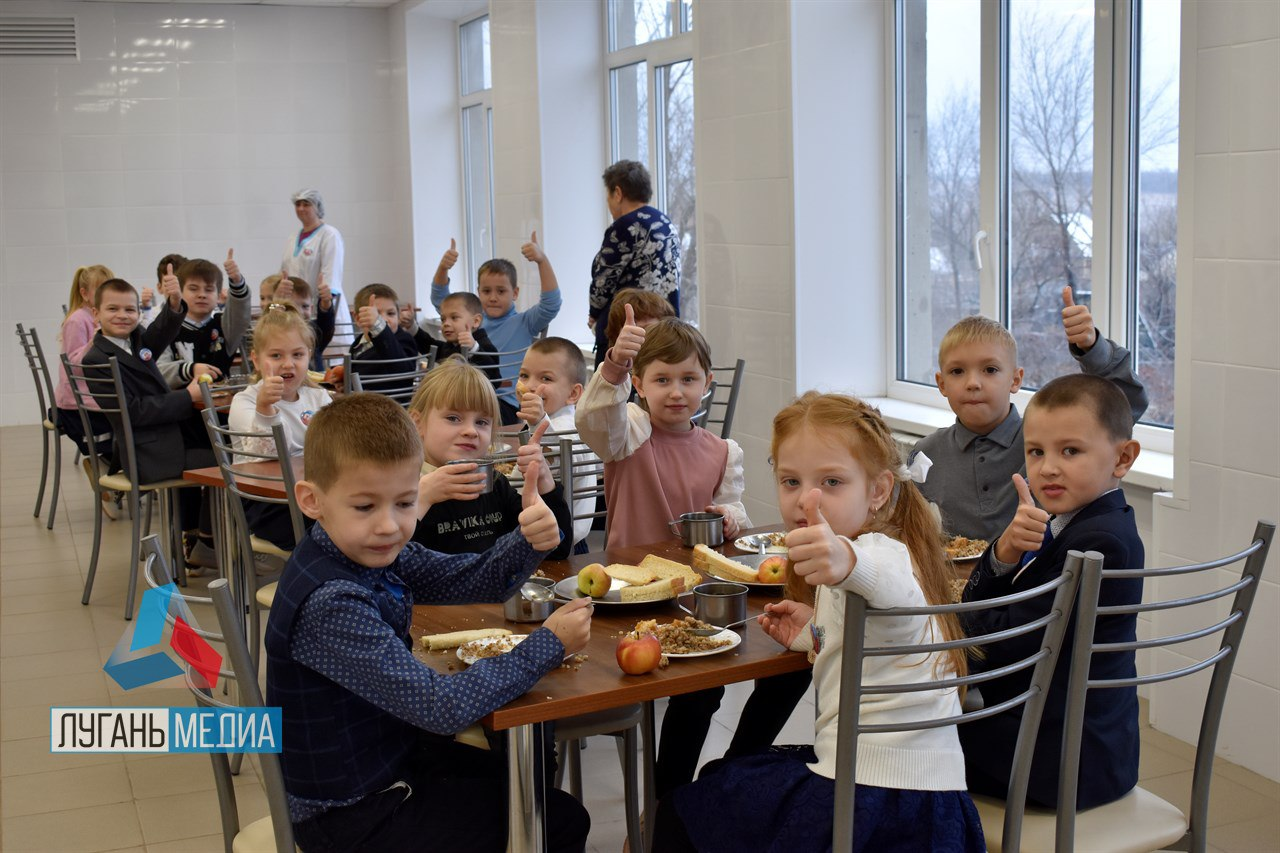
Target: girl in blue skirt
[[856, 523]]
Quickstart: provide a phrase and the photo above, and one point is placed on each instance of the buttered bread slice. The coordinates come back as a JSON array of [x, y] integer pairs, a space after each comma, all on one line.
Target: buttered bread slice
[[664, 568], [633, 575], [721, 566], [666, 588]]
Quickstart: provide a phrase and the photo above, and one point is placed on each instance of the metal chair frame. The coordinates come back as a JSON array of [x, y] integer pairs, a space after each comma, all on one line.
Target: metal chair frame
[[503, 359], [730, 390], [1241, 595], [354, 383], [34, 354], [1032, 699], [573, 471], [77, 375]]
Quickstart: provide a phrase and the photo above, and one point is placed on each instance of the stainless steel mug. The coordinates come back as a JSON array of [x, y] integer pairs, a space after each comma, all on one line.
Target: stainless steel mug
[[699, 527], [483, 464], [720, 603], [521, 609]]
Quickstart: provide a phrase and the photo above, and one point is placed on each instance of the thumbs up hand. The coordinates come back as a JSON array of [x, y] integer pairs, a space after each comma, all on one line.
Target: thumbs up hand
[[532, 251], [817, 554], [529, 454], [629, 341], [148, 297], [537, 523], [232, 269], [324, 294], [1077, 321], [1026, 531], [171, 288], [450, 258]]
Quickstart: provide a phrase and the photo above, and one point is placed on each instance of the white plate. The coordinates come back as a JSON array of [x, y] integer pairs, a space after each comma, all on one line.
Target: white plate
[[734, 640], [752, 562], [751, 543], [568, 588], [973, 558], [466, 652]]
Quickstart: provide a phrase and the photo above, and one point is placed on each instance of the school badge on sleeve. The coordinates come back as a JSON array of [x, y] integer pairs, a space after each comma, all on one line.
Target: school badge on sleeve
[[145, 354]]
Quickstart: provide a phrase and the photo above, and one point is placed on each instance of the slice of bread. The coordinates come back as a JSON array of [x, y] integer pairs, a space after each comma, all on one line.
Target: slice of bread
[[718, 565], [669, 568], [667, 588], [452, 639], [634, 575]]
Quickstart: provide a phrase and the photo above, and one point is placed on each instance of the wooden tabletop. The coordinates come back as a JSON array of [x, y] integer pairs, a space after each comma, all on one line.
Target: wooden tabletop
[[270, 484], [598, 683]]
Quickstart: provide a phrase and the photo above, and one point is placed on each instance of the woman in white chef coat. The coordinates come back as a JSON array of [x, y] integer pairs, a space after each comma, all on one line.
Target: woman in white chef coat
[[315, 254]]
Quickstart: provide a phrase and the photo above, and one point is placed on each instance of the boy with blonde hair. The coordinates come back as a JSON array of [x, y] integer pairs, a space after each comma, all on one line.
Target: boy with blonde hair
[[368, 729], [970, 462]]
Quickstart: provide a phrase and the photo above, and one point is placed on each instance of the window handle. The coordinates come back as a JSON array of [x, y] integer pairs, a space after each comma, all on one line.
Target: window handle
[[977, 247]]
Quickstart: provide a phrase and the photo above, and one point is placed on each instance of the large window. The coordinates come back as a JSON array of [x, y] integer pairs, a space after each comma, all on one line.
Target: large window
[[1036, 148], [475, 103], [651, 113]]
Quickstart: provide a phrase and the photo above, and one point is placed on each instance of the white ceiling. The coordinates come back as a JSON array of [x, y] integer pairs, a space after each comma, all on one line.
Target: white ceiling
[[262, 2]]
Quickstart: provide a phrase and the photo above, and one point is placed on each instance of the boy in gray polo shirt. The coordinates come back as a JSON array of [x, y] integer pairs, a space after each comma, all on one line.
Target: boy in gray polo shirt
[[974, 458]]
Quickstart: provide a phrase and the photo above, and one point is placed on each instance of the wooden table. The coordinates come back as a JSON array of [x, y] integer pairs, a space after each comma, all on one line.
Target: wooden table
[[598, 683], [270, 484]]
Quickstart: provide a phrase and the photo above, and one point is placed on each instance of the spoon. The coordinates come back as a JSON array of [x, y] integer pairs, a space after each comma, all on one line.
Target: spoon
[[536, 592], [708, 632]]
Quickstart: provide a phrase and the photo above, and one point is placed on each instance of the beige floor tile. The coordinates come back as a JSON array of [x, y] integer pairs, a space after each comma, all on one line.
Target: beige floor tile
[[167, 775], [1250, 780], [1161, 740], [24, 757], [181, 816], [72, 690], [13, 587], [1256, 836], [1229, 802], [64, 568], [98, 828], [64, 789], [12, 558], [199, 845], [24, 723], [38, 643], [38, 602], [140, 849], [1155, 762], [30, 667], [69, 619]]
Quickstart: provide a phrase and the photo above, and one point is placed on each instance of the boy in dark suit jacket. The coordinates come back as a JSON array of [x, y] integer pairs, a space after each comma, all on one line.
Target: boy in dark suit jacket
[[381, 338], [1078, 446], [168, 435]]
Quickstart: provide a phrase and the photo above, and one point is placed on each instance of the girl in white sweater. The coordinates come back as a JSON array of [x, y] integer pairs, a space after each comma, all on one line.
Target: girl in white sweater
[[857, 524], [281, 393]]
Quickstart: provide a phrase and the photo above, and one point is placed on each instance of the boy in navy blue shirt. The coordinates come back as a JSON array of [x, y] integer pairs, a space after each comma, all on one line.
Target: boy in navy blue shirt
[[369, 760], [1078, 445]]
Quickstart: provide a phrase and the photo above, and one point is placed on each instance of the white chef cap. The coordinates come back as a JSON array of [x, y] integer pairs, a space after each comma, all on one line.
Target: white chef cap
[[313, 196]]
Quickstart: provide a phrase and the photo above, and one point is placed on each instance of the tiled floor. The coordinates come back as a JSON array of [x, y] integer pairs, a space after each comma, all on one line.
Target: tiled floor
[[52, 650]]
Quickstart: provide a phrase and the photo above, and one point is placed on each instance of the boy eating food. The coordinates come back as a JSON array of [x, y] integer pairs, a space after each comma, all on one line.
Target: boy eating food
[[1078, 446], [367, 727]]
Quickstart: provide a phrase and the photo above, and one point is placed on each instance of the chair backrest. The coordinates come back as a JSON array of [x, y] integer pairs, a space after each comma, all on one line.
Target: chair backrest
[[103, 382], [502, 360], [728, 382], [700, 417], [401, 381], [34, 354], [1238, 595], [251, 696], [1043, 660], [581, 474]]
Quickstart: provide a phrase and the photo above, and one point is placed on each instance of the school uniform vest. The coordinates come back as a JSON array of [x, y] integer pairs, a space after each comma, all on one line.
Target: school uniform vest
[[347, 747]]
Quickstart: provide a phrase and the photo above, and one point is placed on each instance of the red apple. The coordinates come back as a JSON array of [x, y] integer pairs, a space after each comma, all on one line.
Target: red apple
[[772, 570], [638, 653]]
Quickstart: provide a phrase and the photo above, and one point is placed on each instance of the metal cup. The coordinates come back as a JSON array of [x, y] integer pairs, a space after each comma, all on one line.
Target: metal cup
[[720, 603], [483, 464], [699, 527], [520, 609]]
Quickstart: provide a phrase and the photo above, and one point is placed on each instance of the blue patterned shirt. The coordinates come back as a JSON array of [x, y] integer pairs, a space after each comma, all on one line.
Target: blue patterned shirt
[[641, 250]]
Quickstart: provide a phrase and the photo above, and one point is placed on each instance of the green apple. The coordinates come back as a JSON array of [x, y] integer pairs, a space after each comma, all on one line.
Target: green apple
[[593, 581]]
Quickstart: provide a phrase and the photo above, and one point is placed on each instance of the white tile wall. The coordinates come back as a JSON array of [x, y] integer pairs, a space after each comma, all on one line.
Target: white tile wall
[[1229, 382], [194, 147]]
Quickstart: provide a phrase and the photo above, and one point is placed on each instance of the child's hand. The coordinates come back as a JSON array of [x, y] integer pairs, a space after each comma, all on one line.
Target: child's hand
[[270, 392], [785, 620], [325, 295], [460, 481], [730, 525], [198, 370], [1026, 532], [1077, 321], [630, 339], [537, 523], [366, 317], [529, 456], [148, 296], [406, 316], [450, 257], [531, 409], [285, 285], [817, 554], [571, 623], [532, 251], [465, 340], [171, 288], [193, 388], [230, 266]]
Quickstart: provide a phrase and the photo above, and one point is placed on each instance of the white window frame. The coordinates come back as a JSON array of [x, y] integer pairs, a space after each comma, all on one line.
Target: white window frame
[[484, 100], [1113, 26]]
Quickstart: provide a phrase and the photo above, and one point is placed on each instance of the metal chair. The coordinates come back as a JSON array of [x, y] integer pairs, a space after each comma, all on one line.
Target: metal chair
[[1141, 821], [725, 402], [34, 354], [505, 388], [396, 380], [699, 418], [273, 833], [852, 691], [94, 377], [581, 476]]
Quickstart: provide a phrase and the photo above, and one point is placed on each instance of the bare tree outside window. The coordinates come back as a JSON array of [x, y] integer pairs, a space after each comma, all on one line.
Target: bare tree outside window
[[677, 198]]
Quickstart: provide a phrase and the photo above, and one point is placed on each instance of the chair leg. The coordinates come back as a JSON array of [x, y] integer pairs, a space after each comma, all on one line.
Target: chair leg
[[574, 761], [177, 557], [97, 543], [57, 478], [628, 754], [135, 550], [560, 755], [44, 472], [151, 497]]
